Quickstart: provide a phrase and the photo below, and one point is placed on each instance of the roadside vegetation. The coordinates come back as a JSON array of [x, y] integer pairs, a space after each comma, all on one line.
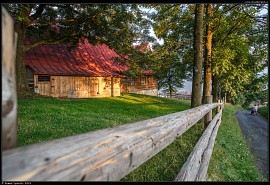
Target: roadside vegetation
[[231, 159], [263, 111], [45, 118]]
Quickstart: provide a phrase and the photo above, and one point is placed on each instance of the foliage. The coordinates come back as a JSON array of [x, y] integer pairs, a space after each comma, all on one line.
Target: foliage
[[99, 23], [170, 71], [236, 61], [256, 90], [239, 43], [117, 25], [264, 111], [172, 59], [238, 100]]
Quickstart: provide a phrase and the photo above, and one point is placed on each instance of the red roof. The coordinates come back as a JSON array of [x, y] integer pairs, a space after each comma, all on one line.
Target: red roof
[[84, 60]]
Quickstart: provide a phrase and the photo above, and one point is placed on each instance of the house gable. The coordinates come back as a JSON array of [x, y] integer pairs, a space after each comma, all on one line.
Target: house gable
[[84, 60], [85, 71]]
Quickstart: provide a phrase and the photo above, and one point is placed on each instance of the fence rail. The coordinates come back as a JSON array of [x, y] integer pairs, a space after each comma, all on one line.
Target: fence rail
[[195, 168], [107, 154]]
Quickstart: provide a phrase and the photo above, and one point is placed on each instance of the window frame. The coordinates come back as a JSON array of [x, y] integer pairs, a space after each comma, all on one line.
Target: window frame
[[43, 78], [131, 82], [143, 82]]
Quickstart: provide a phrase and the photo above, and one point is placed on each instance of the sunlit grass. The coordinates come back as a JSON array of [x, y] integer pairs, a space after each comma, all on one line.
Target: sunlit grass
[[44, 118]]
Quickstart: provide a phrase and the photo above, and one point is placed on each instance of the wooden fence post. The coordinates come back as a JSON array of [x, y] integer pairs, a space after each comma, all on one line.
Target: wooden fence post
[[208, 116], [218, 107], [9, 94]]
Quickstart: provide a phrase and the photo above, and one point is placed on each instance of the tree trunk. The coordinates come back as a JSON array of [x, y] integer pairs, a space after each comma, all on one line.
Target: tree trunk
[[215, 88], [198, 57], [21, 76], [208, 46], [219, 90], [170, 90]]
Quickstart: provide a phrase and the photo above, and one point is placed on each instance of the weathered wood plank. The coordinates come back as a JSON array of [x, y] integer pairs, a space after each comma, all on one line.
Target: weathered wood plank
[[191, 167], [202, 172], [107, 154], [9, 93]]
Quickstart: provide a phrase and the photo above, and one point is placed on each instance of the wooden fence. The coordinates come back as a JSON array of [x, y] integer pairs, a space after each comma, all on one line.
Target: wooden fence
[[104, 155], [112, 153]]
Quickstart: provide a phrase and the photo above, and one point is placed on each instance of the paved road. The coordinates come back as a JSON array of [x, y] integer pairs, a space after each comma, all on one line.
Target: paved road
[[255, 130]]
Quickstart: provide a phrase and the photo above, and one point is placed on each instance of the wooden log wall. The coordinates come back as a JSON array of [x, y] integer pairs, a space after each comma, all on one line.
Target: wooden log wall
[[9, 93], [103, 155], [149, 88], [78, 87], [196, 166]]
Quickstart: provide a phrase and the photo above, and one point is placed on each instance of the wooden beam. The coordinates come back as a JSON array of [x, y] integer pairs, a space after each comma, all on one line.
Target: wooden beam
[[9, 93], [195, 168], [103, 155], [202, 173]]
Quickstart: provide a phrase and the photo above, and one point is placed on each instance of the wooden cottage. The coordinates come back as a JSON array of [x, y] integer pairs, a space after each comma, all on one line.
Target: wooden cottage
[[85, 71]]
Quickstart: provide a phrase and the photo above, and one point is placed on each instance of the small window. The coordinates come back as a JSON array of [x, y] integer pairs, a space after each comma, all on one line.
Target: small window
[[143, 80], [131, 82], [43, 78]]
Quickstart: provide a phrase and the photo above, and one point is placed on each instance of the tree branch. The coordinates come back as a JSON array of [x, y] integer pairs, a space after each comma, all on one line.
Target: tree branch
[[255, 18], [38, 12], [219, 15], [51, 41], [168, 8], [228, 33], [32, 45]]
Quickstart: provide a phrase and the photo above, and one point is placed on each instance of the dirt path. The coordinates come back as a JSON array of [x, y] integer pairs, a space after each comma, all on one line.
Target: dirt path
[[255, 130]]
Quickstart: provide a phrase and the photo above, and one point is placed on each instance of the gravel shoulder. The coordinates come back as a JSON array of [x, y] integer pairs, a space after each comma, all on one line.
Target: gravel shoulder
[[256, 131]]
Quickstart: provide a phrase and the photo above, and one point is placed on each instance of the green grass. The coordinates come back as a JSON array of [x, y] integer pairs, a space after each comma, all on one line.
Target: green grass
[[44, 118], [231, 159]]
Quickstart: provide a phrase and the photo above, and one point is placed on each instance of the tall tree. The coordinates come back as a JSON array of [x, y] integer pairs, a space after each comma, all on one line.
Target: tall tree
[[198, 54], [117, 25], [208, 52], [235, 59], [169, 69], [173, 24]]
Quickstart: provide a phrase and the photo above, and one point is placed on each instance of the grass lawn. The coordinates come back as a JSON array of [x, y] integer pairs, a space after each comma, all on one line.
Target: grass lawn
[[44, 118]]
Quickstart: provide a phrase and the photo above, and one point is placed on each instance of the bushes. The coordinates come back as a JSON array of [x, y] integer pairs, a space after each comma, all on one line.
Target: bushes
[[263, 111]]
